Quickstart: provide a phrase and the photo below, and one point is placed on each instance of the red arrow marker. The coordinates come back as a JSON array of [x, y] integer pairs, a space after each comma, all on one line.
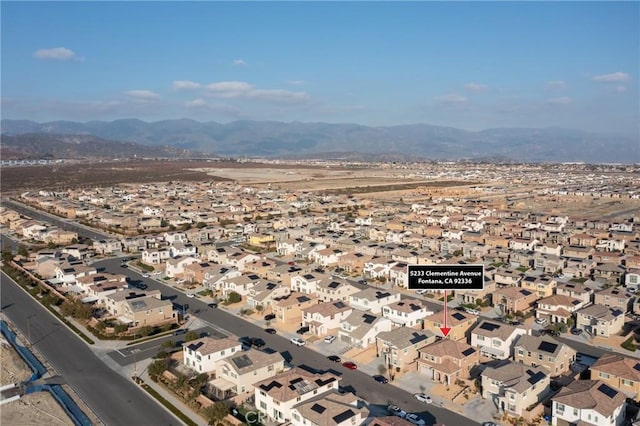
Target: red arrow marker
[[445, 330]]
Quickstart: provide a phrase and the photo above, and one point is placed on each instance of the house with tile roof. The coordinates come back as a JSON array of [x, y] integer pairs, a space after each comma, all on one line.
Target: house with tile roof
[[588, 402], [600, 320], [398, 349], [446, 361], [495, 339], [546, 352], [619, 372], [513, 386]]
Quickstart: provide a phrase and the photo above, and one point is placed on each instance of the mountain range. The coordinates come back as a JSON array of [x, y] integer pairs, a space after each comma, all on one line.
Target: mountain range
[[306, 140]]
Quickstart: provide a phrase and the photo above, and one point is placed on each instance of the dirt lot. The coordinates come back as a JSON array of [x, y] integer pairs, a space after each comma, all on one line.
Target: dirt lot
[[35, 409], [38, 408]]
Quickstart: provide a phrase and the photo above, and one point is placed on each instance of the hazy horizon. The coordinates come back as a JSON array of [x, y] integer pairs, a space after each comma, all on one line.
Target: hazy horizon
[[471, 66]]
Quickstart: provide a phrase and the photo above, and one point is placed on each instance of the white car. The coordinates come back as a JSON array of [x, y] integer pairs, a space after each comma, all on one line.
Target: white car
[[298, 341], [413, 418], [397, 411], [541, 321], [146, 275], [421, 291], [190, 295], [472, 311], [329, 339], [423, 397]]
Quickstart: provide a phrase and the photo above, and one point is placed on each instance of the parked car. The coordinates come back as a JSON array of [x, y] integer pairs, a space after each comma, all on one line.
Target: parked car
[[329, 339], [413, 418], [396, 411], [146, 275], [541, 321], [548, 332], [489, 424], [380, 379], [350, 365], [246, 342], [422, 397], [472, 311], [303, 330], [334, 358], [576, 331], [269, 317], [191, 295], [270, 330], [213, 305], [298, 341], [257, 342]]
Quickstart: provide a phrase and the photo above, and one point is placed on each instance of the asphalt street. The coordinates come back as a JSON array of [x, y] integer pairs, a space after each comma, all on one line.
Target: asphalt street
[[67, 225], [363, 384], [115, 400]]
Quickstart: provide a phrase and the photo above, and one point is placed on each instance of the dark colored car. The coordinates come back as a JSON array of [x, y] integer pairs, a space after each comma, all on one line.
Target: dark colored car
[[334, 358], [548, 332], [269, 317], [257, 342], [380, 379], [213, 305], [302, 330], [270, 330], [246, 341], [350, 365], [576, 331]]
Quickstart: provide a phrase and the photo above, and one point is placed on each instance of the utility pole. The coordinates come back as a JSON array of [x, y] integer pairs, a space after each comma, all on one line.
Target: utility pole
[[29, 330]]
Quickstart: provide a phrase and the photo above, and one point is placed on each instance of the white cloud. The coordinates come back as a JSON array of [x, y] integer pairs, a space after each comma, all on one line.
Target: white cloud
[[196, 103], [185, 85], [55, 54], [239, 62], [475, 87], [620, 89], [230, 86], [295, 83], [616, 77], [143, 95], [556, 85], [452, 98], [564, 100], [244, 90]]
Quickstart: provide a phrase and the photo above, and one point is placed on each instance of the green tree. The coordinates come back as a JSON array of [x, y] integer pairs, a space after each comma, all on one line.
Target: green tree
[[147, 330], [234, 297], [201, 225], [7, 256], [156, 368], [23, 251], [216, 412], [120, 328], [259, 308], [191, 335], [168, 344]]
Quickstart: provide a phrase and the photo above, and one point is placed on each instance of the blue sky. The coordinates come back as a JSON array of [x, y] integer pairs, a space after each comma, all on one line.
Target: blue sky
[[472, 65]]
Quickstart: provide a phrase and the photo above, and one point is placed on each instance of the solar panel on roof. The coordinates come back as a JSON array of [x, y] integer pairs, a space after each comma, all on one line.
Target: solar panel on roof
[[468, 352], [318, 408], [525, 292], [271, 385], [242, 361], [548, 347], [368, 319], [339, 305], [637, 366], [195, 346], [535, 377], [334, 284], [489, 326], [309, 277], [345, 415], [607, 390], [458, 316]]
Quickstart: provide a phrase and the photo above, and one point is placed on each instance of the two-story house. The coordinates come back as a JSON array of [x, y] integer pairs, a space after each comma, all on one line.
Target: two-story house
[[544, 351], [619, 372], [600, 320], [495, 339], [238, 373], [513, 387], [325, 318], [361, 328], [201, 355], [446, 361], [289, 308], [510, 300], [558, 308], [407, 313], [332, 409], [398, 349], [588, 402], [278, 395], [331, 290], [372, 299]]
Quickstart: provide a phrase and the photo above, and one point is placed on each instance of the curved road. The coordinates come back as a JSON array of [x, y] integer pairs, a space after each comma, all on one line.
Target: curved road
[[116, 400]]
